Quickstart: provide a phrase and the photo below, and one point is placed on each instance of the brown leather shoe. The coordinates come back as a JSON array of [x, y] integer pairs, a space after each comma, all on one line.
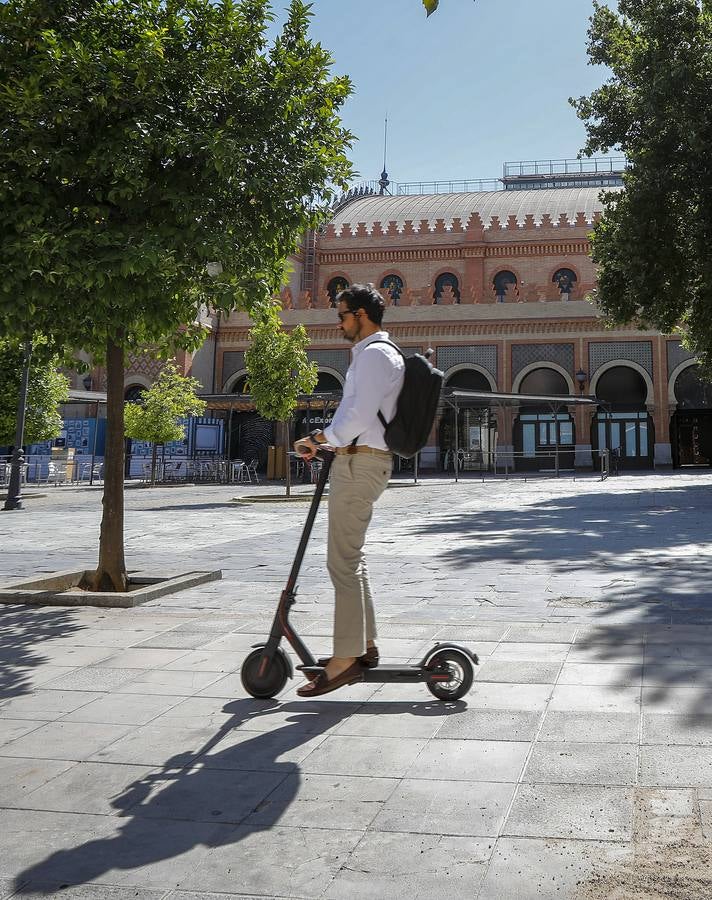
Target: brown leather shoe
[[323, 685]]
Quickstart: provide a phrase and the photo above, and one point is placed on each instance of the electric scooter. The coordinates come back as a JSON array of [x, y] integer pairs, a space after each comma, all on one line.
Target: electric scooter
[[447, 669]]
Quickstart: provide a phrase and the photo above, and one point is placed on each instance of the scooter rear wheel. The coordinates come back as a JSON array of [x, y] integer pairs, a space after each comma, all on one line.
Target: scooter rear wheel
[[270, 682], [462, 675]]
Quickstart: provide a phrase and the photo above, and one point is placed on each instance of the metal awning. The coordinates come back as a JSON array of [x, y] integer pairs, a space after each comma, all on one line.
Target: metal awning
[[486, 398], [77, 395]]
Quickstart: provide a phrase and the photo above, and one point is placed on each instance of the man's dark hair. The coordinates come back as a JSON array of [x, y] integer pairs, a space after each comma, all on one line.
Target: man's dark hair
[[366, 297]]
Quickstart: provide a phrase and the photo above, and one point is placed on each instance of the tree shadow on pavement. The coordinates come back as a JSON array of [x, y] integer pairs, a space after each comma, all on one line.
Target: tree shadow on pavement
[[22, 632], [637, 564], [168, 813]]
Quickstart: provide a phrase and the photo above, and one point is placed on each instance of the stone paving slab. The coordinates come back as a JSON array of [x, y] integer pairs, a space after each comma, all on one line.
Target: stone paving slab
[[134, 765]]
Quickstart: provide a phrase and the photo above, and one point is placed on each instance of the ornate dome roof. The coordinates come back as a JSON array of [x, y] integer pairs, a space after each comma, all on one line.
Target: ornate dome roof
[[415, 207]]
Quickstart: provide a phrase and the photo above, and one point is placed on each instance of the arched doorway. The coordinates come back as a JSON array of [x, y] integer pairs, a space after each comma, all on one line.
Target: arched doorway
[[134, 393], [476, 426], [544, 436], [319, 412], [691, 424], [625, 428], [250, 434]]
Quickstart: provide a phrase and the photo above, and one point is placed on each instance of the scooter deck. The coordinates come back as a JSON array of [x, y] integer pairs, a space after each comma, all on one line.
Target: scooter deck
[[382, 672], [386, 672]]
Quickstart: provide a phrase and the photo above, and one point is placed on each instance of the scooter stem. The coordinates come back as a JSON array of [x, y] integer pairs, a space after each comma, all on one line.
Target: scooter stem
[[326, 457]]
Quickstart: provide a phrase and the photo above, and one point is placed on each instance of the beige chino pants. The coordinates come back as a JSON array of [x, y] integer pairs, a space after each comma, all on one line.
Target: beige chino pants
[[357, 481]]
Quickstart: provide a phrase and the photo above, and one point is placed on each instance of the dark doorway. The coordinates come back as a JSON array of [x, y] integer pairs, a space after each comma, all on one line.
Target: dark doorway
[[691, 425], [544, 438], [327, 384], [476, 427], [625, 428]]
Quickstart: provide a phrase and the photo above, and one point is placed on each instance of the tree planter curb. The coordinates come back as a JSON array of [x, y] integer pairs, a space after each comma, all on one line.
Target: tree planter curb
[[60, 589], [276, 498]]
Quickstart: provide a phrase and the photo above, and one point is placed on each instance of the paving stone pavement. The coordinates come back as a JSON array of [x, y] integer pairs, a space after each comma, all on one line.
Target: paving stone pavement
[[134, 765]]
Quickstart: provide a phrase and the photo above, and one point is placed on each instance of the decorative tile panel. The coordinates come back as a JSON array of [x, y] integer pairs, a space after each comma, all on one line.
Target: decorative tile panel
[[484, 356], [338, 360], [524, 355], [676, 354], [640, 352]]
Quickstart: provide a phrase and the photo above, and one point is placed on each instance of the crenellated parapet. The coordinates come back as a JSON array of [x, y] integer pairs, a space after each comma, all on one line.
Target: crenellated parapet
[[473, 226]]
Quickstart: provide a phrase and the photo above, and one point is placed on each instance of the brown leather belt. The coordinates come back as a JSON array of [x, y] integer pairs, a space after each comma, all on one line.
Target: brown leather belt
[[362, 448]]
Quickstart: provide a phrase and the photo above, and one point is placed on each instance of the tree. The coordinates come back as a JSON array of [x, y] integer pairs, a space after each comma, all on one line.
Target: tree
[[157, 417], [653, 245], [47, 389], [279, 371], [141, 140]]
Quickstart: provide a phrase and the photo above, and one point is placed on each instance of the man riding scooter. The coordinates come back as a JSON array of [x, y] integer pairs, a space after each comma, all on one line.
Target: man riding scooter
[[359, 475]]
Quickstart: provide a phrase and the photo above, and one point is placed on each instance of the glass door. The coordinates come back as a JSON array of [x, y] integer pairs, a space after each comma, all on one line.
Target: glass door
[[539, 438], [628, 437]]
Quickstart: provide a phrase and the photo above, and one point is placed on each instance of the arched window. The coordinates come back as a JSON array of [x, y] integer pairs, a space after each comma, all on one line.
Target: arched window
[[442, 282], [691, 392], [622, 386], [327, 384], [335, 286], [394, 284], [241, 386], [565, 280], [504, 282], [134, 393], [544, 381], [468, 380]]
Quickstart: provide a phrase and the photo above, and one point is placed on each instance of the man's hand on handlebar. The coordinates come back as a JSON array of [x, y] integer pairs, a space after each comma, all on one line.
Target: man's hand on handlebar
[[308, 446]]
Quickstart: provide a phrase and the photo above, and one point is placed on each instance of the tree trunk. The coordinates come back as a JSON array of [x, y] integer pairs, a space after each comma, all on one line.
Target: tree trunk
[[154, 450], [287, 470], [111, 571]]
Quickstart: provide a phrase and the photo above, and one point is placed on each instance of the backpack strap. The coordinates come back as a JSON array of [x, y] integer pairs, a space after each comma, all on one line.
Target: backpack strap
[[390, 344]]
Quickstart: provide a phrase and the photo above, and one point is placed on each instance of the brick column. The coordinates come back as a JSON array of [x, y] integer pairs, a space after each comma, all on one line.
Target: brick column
[[661, 411], [583, 457]]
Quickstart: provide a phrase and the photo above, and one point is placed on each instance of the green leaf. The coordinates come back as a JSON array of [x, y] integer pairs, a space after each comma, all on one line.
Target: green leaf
[[430, 6]]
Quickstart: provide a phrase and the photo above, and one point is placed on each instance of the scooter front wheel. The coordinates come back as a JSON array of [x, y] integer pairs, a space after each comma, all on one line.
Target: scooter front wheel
[[459, 680], [269, 682]]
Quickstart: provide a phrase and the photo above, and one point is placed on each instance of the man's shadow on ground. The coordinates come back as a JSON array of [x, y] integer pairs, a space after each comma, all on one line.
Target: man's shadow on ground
[[187, 780]]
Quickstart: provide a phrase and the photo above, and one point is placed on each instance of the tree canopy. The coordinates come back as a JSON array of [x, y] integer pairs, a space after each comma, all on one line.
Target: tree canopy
[[278, 367], [142, 140], [47, 388], [654, 243]]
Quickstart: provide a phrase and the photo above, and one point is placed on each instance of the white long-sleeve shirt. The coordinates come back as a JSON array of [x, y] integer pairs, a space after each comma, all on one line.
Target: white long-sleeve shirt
[[373, 382]]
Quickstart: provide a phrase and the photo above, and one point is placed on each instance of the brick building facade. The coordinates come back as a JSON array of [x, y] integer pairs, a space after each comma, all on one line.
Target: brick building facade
[[496, 282]]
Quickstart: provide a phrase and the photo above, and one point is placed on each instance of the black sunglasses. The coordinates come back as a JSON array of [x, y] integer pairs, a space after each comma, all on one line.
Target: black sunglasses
[[348, 312]]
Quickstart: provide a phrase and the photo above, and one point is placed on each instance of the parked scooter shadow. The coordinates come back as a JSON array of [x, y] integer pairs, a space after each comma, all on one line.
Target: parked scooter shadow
[[170, 812]]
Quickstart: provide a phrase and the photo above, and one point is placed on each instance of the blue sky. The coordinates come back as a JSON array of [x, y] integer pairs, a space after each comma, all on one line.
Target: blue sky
[[474, 85]]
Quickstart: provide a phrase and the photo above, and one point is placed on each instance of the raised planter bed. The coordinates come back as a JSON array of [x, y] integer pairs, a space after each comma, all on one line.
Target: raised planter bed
[[62, 589]]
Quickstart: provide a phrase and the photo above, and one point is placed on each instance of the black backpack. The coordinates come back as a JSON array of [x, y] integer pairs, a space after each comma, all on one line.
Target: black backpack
[[409, 429]]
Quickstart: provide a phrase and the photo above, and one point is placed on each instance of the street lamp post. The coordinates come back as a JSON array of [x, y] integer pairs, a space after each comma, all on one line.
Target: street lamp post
[[14, 488]]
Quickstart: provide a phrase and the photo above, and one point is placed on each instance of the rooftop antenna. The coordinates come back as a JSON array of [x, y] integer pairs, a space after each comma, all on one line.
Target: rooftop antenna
[[384, 182]]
